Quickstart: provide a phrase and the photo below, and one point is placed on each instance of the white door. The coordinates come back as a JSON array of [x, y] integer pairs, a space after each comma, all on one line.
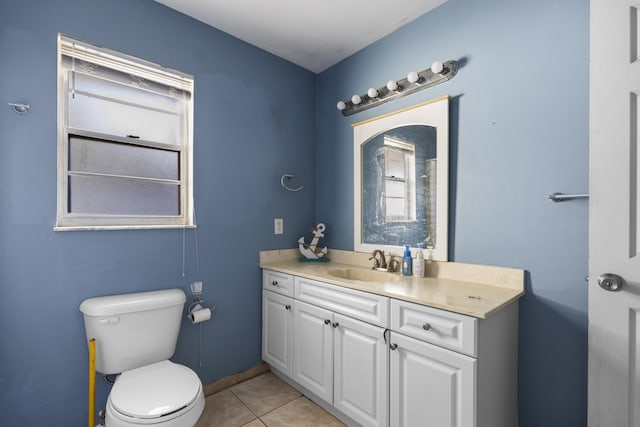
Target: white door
[[313, 349], [361, 371], [430, 386], [277, 331], [614, 214]]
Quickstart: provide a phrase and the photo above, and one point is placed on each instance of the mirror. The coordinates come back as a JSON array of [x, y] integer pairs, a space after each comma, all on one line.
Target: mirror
[[401, 180]]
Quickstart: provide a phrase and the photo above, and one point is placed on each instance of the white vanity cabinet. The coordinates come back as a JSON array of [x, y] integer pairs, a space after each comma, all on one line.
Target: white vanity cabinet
[[383, 362], [340, 358], [277, 320]]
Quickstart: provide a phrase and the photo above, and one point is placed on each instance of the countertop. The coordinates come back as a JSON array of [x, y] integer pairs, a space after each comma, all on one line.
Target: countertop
[[471, 289]]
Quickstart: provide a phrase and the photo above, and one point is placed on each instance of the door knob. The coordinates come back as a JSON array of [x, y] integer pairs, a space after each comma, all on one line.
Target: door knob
[[611, 282]]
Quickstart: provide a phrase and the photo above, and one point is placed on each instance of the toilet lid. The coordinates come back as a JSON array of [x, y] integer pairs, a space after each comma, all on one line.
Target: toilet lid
[[155, 390]]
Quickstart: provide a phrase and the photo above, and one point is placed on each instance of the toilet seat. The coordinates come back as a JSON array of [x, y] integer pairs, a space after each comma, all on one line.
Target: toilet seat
[[155, 391]]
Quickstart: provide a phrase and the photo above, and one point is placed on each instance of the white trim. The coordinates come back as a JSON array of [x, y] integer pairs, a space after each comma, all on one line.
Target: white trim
[[111, 59], [70, 47]]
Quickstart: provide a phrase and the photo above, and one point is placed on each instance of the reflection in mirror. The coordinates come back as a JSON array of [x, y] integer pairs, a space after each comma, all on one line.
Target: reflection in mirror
[[401, 168], [402, 163]]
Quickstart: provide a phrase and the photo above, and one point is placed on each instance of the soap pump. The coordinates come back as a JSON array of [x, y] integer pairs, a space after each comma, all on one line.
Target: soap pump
[[418, 268], [407, 261]]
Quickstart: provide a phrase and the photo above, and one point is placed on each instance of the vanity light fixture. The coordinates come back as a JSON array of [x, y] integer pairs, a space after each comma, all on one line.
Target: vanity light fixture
[[439, 72]]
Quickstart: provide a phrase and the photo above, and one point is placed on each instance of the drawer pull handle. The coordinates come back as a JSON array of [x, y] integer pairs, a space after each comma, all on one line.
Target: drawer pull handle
[[335, 324], [426, 326], [287, 307], [327, 321], [393, 346], [274, 283]]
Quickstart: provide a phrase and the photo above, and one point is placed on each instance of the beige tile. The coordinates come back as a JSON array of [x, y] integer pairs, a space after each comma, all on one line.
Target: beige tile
[[254, 423], [300, 413], [264, 393], [224, 409]]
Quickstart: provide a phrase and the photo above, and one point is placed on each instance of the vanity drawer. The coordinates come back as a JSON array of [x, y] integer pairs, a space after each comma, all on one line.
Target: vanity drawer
[[450, 330], [281, 283], [364, 306]]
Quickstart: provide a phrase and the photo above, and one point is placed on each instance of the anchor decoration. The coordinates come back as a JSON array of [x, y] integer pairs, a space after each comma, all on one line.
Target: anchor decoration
[[312, 251]]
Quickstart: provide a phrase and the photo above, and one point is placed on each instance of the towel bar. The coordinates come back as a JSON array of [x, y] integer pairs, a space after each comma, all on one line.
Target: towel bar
[[560, 197]]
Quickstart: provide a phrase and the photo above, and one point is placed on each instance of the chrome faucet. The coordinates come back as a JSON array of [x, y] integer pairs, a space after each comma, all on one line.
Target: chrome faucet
[[378, 264]]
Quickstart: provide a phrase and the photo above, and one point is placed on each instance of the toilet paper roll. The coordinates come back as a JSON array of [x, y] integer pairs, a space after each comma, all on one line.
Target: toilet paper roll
[[201, 315]]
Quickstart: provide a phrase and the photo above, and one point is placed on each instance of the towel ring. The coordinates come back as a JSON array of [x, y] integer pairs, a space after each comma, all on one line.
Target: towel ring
[[288, 177], [19, 108]]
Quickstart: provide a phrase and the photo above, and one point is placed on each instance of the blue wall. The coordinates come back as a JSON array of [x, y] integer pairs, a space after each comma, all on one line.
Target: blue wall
[[519, 131], [519, 127], [248, 132]]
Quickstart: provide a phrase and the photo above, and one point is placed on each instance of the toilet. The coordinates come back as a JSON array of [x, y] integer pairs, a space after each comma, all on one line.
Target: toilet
[[135, 335]]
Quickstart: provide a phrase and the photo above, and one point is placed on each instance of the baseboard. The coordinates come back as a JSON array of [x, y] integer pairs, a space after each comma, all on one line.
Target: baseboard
[[234, 379]]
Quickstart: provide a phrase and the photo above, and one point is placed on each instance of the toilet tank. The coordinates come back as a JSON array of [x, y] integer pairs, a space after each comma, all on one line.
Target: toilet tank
[[133, 330]]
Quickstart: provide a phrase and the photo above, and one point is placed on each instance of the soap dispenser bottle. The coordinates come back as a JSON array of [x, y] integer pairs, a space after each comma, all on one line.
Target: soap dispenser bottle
[[418, 268], [407, 261]]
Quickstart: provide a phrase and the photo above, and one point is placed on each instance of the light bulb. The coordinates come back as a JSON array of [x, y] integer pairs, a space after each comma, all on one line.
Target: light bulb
[[412, 77], [392, 85], [437, 67], [341, 105], [372, 92], [356, 99]]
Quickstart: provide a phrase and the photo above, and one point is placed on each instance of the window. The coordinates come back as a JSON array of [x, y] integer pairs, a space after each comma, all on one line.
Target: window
[[400, 194], [125, 140]]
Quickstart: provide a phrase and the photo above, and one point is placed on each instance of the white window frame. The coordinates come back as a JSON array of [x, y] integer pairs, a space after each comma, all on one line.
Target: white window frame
[[407, 180], [138, 69]]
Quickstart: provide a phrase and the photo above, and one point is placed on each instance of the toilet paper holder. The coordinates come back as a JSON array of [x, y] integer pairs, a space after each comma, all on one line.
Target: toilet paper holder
[[197, 313]]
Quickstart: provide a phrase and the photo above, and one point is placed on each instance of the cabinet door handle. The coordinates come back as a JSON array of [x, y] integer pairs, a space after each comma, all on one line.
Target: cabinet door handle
[[274, 283], [335, 324], [393, 346], [287, 307], [327, 321], [426, 326]]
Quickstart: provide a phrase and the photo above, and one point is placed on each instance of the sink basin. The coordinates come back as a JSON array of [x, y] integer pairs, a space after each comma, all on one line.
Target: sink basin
[[364, 275]]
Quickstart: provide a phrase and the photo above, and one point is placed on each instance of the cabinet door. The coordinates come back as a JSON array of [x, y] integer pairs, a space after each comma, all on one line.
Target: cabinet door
[[430, 386], [277, 331], [313, 349], [361, 373]]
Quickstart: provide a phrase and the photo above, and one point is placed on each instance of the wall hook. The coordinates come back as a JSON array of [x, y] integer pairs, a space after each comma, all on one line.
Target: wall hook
[[19, 108], [287, 177]]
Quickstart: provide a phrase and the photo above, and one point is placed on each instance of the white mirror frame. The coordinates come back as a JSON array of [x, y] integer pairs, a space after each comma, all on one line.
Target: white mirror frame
[[431, 113]]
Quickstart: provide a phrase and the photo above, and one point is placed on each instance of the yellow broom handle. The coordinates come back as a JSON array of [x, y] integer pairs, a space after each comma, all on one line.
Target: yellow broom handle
[[92, 381]]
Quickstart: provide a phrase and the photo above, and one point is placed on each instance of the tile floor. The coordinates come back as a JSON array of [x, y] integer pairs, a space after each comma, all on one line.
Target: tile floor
[[262, 401]]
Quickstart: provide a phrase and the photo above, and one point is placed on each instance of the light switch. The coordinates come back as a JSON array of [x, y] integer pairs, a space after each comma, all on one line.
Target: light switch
[[278, 226]]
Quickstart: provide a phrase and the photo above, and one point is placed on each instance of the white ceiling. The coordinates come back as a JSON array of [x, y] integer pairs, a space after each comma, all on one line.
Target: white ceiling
[[314, 35]]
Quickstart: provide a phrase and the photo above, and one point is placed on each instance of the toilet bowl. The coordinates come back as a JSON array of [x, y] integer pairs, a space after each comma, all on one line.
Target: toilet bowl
[[163, 394]]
